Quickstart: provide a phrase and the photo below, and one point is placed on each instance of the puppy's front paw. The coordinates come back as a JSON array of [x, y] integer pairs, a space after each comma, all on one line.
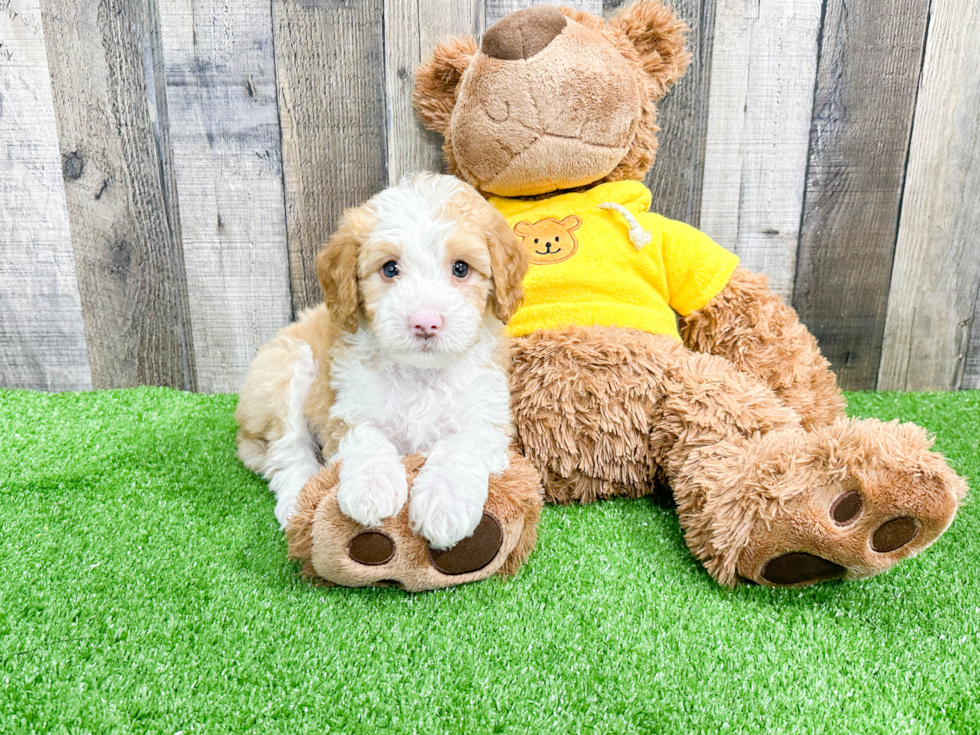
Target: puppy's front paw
[[284, 509], [447, 505], [369, 492]]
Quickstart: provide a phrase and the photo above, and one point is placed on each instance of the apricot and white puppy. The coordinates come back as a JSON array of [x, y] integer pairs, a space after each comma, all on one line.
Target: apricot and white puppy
[[406, 357]]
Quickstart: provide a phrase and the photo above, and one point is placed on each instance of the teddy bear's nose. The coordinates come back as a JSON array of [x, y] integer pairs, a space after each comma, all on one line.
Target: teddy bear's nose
[[523, 33]]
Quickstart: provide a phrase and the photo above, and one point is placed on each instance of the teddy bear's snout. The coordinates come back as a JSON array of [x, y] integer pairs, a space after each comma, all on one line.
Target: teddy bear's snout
[[523, 34]]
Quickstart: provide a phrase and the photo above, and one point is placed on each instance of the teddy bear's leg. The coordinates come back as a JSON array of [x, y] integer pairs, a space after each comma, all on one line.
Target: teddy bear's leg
[[338, 550], [601, 411], [761, 499], [586, 402], [749, 326]]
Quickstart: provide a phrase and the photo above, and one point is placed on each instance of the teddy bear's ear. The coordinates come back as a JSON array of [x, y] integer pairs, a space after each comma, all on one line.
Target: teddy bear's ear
[[437, 79], [660, 38]]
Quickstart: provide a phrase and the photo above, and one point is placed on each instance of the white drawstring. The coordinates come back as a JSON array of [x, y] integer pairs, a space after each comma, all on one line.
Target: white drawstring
[[638, 236]]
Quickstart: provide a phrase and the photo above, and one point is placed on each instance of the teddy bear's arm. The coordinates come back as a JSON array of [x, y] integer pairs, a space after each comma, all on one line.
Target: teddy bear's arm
[[749, 326]]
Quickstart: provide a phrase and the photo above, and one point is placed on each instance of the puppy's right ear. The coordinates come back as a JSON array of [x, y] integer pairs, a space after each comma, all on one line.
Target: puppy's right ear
[[509, 261], [336, 267], [437, 80]]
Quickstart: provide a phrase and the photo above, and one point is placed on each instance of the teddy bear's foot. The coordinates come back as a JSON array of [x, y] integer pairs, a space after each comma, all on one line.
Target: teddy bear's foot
[[890, 498], [340, 551], [846, 501]]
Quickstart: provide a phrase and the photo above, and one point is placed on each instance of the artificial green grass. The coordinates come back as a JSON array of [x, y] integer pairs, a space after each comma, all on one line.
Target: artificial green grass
[[144, 587]]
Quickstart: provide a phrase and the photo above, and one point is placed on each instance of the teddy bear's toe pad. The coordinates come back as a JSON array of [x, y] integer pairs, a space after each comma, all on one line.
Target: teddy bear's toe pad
[[371, 548], [847, 508], [473, 553], [894, 534]]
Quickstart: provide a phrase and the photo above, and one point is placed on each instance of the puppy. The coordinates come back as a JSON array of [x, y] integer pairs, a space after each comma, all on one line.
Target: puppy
[[405, 357]]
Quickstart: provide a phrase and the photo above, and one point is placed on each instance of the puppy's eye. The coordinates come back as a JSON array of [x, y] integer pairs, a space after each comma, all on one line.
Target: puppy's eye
[[556, 238], [460, 269], [390, 269], [535, 240]]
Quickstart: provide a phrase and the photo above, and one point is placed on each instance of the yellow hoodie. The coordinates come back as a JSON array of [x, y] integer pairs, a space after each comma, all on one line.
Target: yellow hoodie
[[600, 258]]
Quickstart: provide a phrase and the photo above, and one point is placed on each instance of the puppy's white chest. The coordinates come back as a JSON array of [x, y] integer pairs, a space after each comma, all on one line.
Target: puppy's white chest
[[414, 416], [412, 408]]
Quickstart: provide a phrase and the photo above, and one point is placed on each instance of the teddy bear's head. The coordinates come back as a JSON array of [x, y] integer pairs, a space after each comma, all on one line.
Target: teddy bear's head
[[553, 98]]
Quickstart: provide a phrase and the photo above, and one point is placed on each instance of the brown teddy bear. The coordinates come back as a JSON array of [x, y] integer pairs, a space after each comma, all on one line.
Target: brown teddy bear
[[553, 118]]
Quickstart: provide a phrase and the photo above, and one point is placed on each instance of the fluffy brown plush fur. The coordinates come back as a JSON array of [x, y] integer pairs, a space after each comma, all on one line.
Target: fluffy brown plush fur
[[321, 537], [744, 420], [750, 327]]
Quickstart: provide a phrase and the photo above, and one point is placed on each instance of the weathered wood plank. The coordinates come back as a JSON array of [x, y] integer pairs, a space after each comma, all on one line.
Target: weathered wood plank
[[763, 70], [497, 9], [677, 175], [127, 250], [220, 81], [866, 85], [937, 259], [971, 369], [330, 78], [42, 336], [412, 28]]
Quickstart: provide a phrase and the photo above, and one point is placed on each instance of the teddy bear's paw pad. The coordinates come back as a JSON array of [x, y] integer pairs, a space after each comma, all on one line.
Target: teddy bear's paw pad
[[798, 567], [889, 536], [894, 534], [371, 548], [846, 509], [472, 553]]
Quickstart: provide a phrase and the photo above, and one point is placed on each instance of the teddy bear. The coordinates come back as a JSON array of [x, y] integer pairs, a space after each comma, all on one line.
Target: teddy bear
[[643, 354]]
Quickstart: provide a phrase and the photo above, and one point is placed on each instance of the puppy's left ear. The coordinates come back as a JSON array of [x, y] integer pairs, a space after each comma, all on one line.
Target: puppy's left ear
[[660, 38], [509, 262], [336, 267]]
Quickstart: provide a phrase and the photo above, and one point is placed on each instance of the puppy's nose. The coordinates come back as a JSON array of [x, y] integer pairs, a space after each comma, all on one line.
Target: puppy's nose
[[523, 33], [425, 322]]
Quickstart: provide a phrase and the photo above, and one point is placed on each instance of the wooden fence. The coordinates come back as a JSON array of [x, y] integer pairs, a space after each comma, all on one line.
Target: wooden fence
[[169, 167]]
